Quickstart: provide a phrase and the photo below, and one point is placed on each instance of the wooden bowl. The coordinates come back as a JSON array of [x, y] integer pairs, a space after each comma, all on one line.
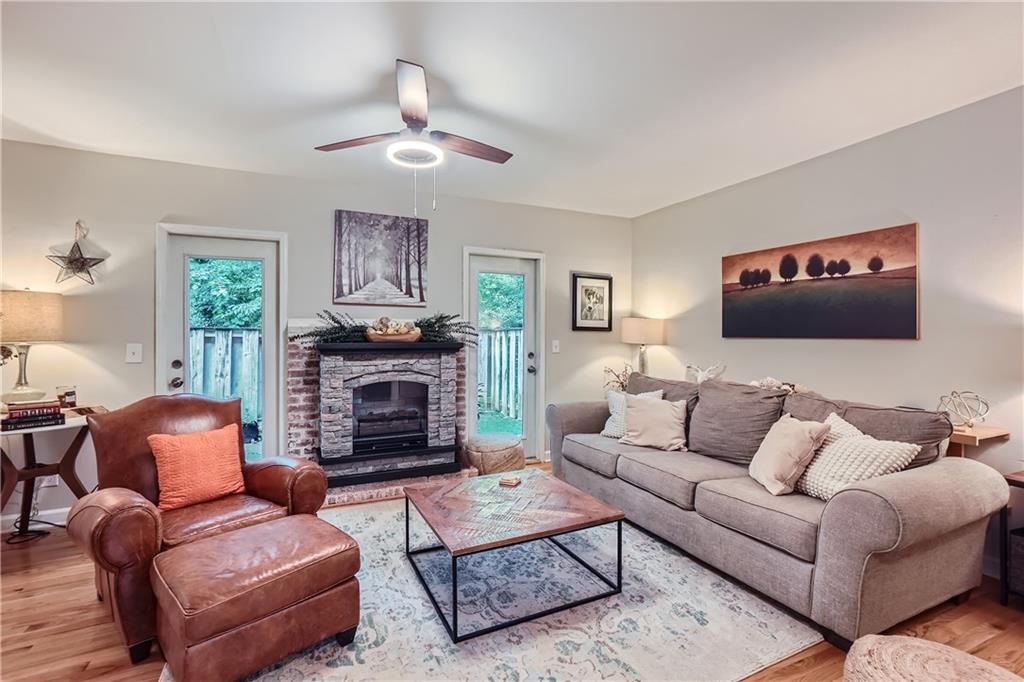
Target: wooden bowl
[[377, 337]]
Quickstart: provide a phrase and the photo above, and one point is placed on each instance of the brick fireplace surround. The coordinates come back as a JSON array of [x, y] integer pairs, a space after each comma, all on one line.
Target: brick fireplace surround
[[305, 402]]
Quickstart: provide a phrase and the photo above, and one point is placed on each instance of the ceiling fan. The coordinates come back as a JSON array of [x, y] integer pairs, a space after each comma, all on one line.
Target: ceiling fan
[[411, 147]]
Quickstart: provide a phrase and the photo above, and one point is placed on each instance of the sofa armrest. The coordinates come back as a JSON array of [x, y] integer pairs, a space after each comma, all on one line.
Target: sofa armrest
[[297, 484], [118, 528], [566, 418], [892, 546]]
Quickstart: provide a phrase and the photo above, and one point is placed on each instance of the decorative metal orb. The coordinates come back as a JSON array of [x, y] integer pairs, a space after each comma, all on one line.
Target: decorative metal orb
[[965, 408]]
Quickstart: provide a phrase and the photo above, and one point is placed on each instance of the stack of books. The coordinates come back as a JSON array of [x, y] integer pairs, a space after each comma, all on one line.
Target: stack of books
[[32, 414]]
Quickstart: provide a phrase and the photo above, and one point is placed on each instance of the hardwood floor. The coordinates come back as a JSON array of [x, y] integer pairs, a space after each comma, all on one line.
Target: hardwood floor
[[54, 629]]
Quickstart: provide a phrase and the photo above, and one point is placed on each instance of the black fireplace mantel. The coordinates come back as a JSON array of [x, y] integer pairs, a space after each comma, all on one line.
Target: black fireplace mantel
[[389, 347]]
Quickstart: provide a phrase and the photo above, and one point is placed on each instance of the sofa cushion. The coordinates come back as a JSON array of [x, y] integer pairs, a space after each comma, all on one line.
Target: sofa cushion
[[674, 390], [811, 407], [597, 453], [787, 522], [731, 420], [921, 427], [218, 516], [673, 476]]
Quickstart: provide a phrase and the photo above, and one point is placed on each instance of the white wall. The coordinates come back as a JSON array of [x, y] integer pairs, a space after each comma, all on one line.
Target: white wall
[[45, 189], [958, 175]]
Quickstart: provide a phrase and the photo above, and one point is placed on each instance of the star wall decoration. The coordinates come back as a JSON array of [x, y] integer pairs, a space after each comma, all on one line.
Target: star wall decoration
[[78, 259]]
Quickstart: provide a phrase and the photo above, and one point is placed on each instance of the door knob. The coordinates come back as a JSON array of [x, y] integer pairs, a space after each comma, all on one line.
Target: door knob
[[177, 382], [531, 369]]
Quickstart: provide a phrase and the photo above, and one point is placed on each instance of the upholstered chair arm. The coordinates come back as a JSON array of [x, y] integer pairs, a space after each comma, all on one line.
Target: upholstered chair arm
[[118, 528], [298, 484], [566, 418], [906, 540]]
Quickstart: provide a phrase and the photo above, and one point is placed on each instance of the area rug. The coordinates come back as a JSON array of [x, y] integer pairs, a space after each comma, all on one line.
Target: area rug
[[674, 620]]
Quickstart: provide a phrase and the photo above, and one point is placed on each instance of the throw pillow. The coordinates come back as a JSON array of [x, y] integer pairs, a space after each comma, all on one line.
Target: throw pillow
[[657, 424], [785, 452], [197, 467], [615, 427], [848, 456], [731, 420]]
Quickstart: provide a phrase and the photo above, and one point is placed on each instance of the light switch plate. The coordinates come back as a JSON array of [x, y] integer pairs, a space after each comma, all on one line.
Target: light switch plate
[[133, 353], [555, 346]]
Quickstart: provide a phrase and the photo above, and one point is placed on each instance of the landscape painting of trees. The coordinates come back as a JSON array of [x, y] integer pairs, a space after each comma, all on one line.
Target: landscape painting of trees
[[858, 286], [379, 259]]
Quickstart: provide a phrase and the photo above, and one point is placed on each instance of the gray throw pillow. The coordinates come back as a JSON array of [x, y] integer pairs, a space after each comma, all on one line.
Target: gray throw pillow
[[731, 420]]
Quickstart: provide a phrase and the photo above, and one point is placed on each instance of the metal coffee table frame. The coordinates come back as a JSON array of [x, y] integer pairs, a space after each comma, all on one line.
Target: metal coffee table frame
[[452, 626]]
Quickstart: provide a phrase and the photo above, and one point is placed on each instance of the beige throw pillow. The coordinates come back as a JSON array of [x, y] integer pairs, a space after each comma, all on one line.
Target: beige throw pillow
[[848, 456], [615, 427], [785, 452], [655, 423]]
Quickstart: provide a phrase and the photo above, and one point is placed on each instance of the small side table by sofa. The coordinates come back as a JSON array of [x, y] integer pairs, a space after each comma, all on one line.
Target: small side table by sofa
[[1015, 480], [65, 467], [965, 437]]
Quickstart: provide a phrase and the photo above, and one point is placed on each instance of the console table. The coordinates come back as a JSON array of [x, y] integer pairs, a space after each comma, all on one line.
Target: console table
[[65, 467]]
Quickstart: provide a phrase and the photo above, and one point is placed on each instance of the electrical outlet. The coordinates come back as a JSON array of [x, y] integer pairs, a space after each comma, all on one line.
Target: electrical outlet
[[133, 353], [555, 346], [51, 481]]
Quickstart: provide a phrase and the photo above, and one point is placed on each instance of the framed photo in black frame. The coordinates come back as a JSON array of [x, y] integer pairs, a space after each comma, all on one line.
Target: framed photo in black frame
[[591, 302]]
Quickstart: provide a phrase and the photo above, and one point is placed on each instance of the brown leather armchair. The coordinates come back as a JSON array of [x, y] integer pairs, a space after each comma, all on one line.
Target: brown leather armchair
[[120, 527]]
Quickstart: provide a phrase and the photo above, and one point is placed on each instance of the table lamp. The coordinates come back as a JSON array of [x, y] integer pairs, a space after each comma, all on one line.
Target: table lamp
[[645, 332], [28, 317]]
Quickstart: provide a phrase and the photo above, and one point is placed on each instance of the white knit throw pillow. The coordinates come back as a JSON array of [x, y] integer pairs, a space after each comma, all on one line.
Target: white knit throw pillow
[[615, 427], [848, 456]]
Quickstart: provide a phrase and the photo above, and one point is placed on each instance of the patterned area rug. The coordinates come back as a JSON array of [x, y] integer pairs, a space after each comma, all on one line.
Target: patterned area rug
[[675, 620]]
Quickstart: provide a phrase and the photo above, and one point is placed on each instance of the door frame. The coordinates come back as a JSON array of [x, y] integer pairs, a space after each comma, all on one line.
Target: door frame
[[538, 258], [164, 231]]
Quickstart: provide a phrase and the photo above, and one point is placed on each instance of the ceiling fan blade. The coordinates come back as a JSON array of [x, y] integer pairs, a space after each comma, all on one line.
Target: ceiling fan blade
[[356, 142], [464, 145], [412, 93]]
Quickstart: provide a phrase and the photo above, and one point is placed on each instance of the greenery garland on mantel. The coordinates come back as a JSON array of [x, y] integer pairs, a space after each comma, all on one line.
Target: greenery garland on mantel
[[439, 328]]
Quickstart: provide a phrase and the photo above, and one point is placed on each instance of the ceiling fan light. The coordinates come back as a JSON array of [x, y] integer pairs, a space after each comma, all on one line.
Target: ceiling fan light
[[415, 154]]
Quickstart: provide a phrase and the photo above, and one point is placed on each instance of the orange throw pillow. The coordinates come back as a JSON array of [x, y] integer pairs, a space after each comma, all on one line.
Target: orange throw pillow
[[197, 467]]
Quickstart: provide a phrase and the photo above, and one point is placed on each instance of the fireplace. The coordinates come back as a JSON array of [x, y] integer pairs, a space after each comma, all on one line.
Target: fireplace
[[388, 416], [387, 410]]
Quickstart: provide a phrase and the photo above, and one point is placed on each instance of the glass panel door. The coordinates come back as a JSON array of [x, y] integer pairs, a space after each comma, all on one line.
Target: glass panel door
[[225, 338], [500, 374]]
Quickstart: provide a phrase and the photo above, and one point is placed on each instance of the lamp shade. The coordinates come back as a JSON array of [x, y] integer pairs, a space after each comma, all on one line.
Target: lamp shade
[[644, 331], [31, 317]]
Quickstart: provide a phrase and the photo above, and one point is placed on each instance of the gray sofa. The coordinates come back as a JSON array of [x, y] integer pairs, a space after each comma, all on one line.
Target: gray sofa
[[877, 553]]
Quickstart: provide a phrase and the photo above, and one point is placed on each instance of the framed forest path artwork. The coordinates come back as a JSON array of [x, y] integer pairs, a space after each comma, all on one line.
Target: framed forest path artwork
[[858, 286], [379, 259]]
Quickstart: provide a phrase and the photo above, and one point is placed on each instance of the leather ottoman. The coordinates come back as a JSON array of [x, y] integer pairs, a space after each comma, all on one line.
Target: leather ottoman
[[234, 603]]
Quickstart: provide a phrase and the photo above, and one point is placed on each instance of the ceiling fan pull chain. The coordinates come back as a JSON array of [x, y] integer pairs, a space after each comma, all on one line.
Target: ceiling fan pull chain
[[433, 203], [414, 201]]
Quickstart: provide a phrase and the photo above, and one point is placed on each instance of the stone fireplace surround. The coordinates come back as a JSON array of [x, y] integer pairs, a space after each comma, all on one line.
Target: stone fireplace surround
[[319, 386]]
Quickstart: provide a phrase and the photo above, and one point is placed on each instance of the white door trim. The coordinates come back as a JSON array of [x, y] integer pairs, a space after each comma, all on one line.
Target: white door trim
[[538, 257], [160, 357]]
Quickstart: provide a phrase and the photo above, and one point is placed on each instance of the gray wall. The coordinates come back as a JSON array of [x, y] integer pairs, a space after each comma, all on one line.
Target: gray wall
[[45, 189], [958, 175]]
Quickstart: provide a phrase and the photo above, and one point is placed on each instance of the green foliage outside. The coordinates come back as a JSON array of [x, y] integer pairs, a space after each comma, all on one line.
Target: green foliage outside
[[501, 300], [225, 292]]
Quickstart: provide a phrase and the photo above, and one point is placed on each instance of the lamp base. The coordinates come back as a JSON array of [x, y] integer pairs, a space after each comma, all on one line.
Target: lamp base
[[22, 394]]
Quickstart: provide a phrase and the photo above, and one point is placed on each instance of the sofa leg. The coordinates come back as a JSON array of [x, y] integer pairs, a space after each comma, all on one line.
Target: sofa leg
[[139, 652], [836, 641], [961, 598], [347, 637]]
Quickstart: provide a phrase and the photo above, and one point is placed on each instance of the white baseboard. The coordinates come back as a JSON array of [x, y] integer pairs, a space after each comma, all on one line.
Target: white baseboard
[[52, 515]]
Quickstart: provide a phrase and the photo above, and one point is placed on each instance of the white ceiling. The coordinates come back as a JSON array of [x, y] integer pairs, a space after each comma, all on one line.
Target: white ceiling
[[609, 108]]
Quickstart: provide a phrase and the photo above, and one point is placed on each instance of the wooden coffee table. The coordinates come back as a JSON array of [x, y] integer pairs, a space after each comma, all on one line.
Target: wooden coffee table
[[474, 515]]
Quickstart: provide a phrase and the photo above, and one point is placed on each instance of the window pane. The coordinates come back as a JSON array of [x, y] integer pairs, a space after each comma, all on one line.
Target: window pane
[[500, 358], [225, 348]]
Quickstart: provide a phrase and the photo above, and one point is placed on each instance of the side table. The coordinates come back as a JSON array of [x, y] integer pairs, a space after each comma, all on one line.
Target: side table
[[65, 467], [964, 437], [1016, 480]]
